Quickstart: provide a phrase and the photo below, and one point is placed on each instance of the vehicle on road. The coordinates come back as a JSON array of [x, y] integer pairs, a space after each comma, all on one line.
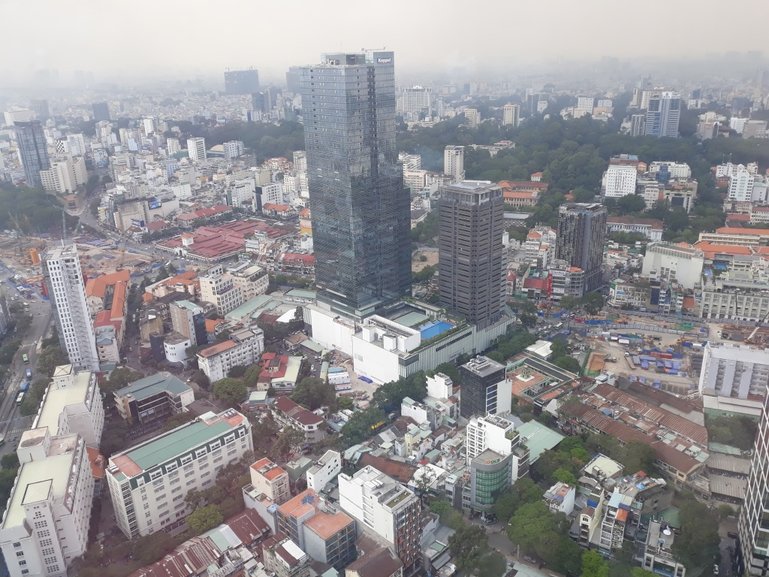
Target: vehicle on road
[[28, 372], [20, 397], [365, 379], [24, 387], [25, 357]]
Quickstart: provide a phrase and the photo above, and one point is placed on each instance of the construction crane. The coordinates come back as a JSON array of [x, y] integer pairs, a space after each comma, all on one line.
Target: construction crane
[[755, 330]]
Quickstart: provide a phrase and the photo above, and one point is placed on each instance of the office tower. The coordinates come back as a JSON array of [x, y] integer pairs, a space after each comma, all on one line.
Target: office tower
[[189, 320], [663, 114], [454, 162], [147, 483], [65, 285], [511, 115], [263, 101], [752, 526], [233, 149], [414, 103], [580, 237], [41, 109], [33, 150], [294, 79], [241, 81], [196, 148], [173, 146], [360, 207], [619, 180], [479, 378], [100, 111], [471, 255], [388, 509], [472, 117]]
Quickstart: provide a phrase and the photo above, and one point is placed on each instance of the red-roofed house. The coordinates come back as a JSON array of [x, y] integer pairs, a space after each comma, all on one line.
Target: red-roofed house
[[298, 263], [270, 480], [289, 413]]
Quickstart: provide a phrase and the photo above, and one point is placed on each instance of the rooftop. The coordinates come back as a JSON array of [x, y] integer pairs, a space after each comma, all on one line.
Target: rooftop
[[56, 398], [144, 456], [326, 525], [153, 385], [377, 563], [268, 469]]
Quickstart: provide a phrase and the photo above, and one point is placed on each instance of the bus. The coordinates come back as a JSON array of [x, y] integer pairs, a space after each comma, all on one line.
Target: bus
[[25, 357], [20, 398]]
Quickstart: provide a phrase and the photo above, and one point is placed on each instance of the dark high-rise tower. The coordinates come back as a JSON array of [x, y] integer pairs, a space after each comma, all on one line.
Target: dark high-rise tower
[[100, 111], [580, 237], [471, 258], [241, 81], [479, 377], [360, 208], [33, 150]]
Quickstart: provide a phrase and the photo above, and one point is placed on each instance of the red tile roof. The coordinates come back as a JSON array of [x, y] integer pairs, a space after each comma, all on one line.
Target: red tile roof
[[297, 412]]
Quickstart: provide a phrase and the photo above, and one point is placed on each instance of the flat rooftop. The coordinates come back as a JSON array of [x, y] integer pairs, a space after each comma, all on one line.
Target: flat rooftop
[[57, 398], [37, 480], [153, 385], [326, 525], [137, 459]]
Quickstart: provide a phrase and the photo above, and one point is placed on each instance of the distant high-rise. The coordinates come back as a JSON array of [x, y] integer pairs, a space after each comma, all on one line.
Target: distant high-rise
[[752, 526], [580, 237], [637, 124], [454, 162], [294, 79], [241, 81], [65, 285], [41, 110], [33, 150], [663, 114], [471, 258], [100, 111], [360, 207], [511, 115], [196, 148]]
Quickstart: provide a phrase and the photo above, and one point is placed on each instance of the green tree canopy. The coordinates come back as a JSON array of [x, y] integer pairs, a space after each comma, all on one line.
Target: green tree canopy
[[204, 518], [593, 565], [468, 545], [231, 391], [314, 393], [698, 541]]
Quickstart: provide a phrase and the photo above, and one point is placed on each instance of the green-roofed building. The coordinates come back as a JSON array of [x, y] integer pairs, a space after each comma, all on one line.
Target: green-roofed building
[[148, 482], [153, 399], [538, 439]]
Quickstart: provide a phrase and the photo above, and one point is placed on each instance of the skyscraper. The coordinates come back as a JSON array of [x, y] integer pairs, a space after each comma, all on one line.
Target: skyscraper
[[241, 81], [33, 151], [511, 114], [752, 526], [360, 207], [480, 378], [663, 114], [65, 285], [196, 148], [471, 258], [100, 111], [580, 237], [454, 162]]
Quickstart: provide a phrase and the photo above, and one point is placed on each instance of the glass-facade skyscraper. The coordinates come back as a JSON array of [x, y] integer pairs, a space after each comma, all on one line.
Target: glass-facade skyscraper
[[360, 207], [581, 234], [33, 151]]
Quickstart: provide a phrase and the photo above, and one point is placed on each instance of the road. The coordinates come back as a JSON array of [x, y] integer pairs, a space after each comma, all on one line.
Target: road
[[12, 424]]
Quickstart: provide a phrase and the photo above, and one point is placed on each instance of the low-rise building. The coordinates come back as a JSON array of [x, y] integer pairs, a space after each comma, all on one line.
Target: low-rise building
[[153, 399], [289, 413], [560, 498], [658, 553], [270, 480], [284, 558], [734, 378], [241, 349], [651, 228], [149, 481], [324, 470], [377, 563]]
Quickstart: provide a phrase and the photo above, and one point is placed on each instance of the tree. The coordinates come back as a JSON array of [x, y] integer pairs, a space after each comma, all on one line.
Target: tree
[[528, 320], [632, 203], [492, 564], [638, 572], [593, 565], [698, 541], [231, 391], [313, 393], [205, 518], [237, 372], [639, 457], [568, 363], [536, 530], [201, 379], [345, 402], [362, 425], [593, 303], [251, 377], [390, 395], [468, 544], [151, 548], [288, 440], [119, 378], [524, 491], [565, 476]]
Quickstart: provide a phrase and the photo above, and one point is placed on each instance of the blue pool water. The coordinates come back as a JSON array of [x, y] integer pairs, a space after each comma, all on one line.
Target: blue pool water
[[430, 330]]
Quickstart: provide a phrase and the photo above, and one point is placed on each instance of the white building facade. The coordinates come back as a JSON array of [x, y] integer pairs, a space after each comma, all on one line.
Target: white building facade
[[242, 348], [673, 263], [619, 180]]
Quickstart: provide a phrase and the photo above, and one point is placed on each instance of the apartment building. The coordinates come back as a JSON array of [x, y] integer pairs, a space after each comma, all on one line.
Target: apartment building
[[386, 508], [153, 399], [242, 348], [229, 289], [291, 414], [270, 480], [324, 470], [326, 534], [734, 378], [45, 525], [148, 482]]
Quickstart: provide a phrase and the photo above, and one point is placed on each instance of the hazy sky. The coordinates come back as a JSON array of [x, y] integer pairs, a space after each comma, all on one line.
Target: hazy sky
[[178, 37]]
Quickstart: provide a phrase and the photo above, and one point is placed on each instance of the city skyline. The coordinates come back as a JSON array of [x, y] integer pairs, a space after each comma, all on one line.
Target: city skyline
[[411, 30]]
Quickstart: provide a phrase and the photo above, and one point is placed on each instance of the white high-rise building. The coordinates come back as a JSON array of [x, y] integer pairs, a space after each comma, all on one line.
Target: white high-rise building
[[734, 378], [746, 186], [511, 114], [67, 291], [64, 176], [173, 146], [233, 149], [385, 507], [619, 180], [148, 482], [196, 148], [472, 117], [454, 162], [752, 527]]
